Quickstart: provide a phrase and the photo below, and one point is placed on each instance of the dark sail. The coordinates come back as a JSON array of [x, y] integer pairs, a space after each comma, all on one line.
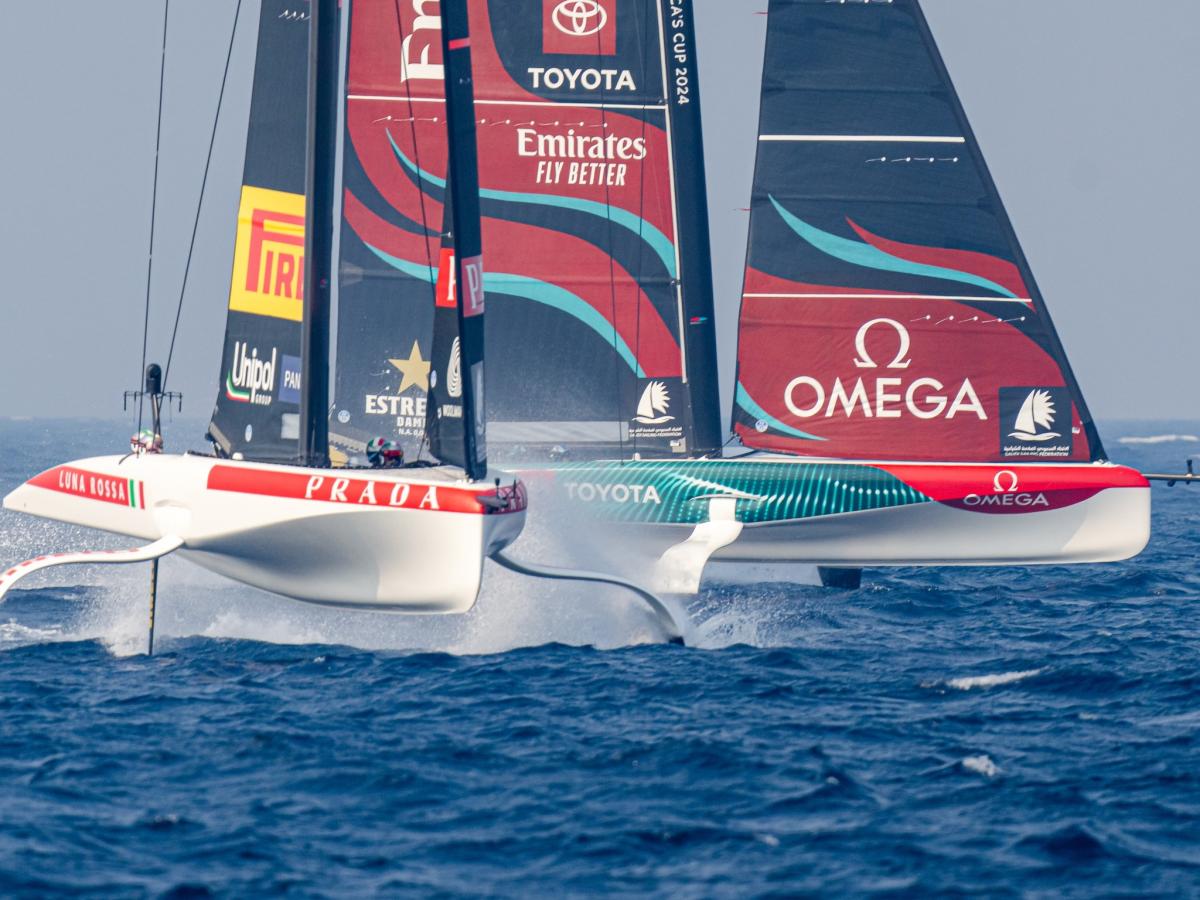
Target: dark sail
[[695, 271], [258, 402], [888, 311], [391, 234], [600, 299], [324, 102], [444, 412], [456, 423]]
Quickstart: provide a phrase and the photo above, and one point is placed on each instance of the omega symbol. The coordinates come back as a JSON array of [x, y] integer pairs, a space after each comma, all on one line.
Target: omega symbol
[[1005, 475], [580, 18], [865, 361]]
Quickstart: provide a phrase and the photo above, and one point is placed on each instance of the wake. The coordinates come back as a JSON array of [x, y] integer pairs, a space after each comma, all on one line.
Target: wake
[[512, 611]]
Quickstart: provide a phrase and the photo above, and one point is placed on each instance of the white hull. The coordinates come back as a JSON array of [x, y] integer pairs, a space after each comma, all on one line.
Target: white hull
[[770, 509], [405, 540], [1112, 526]]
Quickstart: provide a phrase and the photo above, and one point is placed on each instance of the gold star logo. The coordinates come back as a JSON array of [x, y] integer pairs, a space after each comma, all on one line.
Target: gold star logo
[[414, 369]]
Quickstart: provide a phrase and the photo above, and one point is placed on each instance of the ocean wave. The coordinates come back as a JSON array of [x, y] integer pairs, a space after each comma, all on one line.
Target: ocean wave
[[971, 682], [13, 634], [981, 765], [1160, 439]]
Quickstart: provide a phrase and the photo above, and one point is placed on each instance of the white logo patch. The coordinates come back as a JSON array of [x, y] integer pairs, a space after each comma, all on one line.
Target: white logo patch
[[655, 400], [1036, 412], [579, 18]]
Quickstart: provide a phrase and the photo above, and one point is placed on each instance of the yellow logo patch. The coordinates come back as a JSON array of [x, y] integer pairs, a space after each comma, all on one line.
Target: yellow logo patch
[[268, 258]]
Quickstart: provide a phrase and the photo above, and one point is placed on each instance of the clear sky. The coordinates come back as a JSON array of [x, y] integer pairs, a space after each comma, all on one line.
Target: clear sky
[[1088, 119]]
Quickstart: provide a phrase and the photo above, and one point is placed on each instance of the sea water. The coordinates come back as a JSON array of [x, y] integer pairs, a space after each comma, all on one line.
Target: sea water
[[1011, 732]]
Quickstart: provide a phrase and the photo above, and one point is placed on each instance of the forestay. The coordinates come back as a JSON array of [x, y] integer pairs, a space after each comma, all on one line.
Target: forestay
[[888, 311]]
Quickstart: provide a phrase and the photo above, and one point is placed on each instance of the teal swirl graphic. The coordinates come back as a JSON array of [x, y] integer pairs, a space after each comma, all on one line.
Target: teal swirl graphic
[[658, 242], [859, 254], [531, 289]]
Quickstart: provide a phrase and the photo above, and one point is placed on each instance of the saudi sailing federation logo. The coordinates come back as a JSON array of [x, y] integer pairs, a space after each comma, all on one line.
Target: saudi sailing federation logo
[[1036, 412], [652, 408], [1035, 422]]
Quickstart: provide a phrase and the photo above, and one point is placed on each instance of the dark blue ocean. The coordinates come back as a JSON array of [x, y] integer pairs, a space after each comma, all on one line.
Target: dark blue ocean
[[1005, 732]]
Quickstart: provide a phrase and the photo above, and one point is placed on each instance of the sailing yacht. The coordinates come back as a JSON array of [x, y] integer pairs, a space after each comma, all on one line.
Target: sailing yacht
[[266, 508], [902, 396]]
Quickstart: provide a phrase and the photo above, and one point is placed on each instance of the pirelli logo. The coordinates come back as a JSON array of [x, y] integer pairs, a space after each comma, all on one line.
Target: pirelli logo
[[268, 258]]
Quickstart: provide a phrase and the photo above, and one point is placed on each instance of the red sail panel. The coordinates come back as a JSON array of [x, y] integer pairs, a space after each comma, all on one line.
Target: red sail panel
[[898, 378], [580, 222]]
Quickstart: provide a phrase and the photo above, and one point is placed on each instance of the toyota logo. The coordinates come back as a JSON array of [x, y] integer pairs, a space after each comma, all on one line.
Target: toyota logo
[[580, 18]]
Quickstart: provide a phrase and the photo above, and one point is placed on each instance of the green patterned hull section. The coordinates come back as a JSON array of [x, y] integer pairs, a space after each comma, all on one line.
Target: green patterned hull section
[[675, 491]]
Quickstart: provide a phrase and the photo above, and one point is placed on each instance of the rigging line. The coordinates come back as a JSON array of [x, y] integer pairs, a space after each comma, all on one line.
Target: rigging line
[[612, 265], [162, 76], [200, 203], [412, 126]]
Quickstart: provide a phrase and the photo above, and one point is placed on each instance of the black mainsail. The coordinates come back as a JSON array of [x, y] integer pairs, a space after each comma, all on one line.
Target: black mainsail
[[273, 402], [258, 402], [888, 310]]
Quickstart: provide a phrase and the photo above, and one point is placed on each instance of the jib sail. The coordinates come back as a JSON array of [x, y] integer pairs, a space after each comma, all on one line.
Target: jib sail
[[258, 401], [591, 189], [888, 311]]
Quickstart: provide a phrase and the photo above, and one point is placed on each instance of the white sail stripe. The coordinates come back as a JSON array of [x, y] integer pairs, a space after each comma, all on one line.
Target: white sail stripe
[[887, 297], [537, 103], [864, 138]]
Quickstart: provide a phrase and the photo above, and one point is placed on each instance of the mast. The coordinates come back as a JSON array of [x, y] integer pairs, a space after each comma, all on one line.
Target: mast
[[695, 243], [465, 227], [321, 149]]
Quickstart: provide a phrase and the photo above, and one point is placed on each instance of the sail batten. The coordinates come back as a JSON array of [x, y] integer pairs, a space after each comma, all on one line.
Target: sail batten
[[887, 308], [863, 138]]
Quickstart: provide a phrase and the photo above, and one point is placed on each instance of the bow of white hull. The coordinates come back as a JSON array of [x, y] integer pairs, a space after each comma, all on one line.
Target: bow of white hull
[[404, 540]]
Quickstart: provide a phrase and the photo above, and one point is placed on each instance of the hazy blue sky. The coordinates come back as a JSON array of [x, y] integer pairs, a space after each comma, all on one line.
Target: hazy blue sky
[[1087, 114]]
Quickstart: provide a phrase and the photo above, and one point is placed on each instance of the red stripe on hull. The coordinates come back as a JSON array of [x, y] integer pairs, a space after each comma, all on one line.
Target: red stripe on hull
[[361, 491], [90, 486], [1008, 490]]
